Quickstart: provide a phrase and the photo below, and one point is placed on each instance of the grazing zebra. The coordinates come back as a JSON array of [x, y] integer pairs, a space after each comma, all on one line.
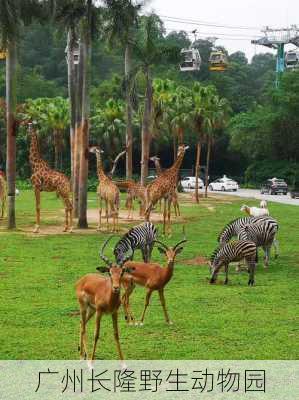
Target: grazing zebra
[[234, 251], [262, 235], [140, 237], [234, 227]]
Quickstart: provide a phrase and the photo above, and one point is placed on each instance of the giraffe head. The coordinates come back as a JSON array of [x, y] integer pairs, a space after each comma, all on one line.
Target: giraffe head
[[95, 150], [155, 158], [181, 149]]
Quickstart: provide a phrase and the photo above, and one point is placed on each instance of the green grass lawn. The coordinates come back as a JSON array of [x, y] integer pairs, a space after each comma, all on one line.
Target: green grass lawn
[[38, 308]]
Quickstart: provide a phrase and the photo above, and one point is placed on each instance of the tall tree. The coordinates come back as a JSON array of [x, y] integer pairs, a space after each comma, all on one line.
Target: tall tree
[[201, 96], [122, 24], [217, 112], [13, 15], [69, 15], [149, 50]]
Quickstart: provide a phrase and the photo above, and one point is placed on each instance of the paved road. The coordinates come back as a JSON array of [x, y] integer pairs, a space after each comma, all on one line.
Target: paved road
[[253, 193]]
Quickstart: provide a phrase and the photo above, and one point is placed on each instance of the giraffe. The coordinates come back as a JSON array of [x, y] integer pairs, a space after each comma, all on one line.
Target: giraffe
[[46, 179], [107, 191], [3, 194], [135, 190], [159, 170], [163, 187]]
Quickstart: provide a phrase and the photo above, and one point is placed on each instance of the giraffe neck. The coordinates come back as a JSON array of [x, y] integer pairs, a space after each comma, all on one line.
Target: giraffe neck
[[158, 167], [100, 170], [177, 164], [34, 155]]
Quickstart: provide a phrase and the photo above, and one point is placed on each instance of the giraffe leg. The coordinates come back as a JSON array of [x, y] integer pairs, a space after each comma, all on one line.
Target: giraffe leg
[[107, 214], [168, 216], [164, 218], [100, 212], [71, 216], [37, 207]]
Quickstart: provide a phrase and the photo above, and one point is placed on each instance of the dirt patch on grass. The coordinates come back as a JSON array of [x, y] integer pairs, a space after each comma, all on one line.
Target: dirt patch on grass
[[199, 260], [92, 217]]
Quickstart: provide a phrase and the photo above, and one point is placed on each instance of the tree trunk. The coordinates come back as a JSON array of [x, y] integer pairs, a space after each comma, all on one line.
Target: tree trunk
[[197, 166], [146, 128], [11, 101], [174, 147], [56, 149], [72, 91], [207, 167], [129, 113], [84, 132], [79, 70]]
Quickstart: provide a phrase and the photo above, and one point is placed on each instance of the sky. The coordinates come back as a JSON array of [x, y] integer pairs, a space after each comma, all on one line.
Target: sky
[[252, 14]]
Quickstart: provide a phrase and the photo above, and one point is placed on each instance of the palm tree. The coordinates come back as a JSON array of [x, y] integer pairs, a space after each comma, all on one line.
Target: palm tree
[[122, 23], [109, 123], [180, 114], [218, 109], [13, 15], [69, 13], [52, 115], [201, 96], [149, 51]]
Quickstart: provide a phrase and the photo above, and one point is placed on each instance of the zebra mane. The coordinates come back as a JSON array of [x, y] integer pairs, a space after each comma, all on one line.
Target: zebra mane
[[214, 254], [227, 226]]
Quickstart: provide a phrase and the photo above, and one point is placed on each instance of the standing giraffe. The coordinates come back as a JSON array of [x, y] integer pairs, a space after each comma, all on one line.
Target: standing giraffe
[[107, 191], [159, 170], [45, 179], [135, 190], [163, 187]]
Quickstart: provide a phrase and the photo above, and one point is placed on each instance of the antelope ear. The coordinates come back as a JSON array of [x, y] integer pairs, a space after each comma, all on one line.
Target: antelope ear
[[179, 250], [103, 269], [161, 250], [129, 269]]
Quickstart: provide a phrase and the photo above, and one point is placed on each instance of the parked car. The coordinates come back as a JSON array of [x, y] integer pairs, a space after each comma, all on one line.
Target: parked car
[[224, 184], [189, 182], [294, 192], [274, 186]]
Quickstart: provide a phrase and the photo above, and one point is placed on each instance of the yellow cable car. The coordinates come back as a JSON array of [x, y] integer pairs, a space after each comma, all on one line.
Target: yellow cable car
[[218, 61], [2, 54]]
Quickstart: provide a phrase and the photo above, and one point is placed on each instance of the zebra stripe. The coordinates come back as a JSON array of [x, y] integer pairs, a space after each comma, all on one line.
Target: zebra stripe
[[140, 237], [263, 235], [233, 228], [234, 251]]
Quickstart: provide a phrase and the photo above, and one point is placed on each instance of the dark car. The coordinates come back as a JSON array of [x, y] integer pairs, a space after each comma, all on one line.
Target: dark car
[[274, 186], [294, 192]]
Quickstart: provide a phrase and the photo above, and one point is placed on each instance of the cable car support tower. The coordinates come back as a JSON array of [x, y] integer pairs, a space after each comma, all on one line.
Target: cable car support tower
[[277, 39]]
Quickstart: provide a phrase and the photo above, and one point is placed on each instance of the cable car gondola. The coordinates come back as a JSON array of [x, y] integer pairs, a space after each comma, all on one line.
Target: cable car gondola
[[292, 59], [218, 61], [191, 60]]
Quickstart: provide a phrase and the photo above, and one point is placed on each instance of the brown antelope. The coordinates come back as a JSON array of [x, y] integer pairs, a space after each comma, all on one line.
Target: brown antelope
[[100, 295], [152, 276]]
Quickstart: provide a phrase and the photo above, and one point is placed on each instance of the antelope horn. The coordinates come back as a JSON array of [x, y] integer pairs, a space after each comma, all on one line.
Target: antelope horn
[[125, 259], [162, 244], [178, 244], [103, 257]]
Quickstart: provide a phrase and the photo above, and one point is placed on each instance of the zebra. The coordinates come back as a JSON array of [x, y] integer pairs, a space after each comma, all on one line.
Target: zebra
[[233, 228], [262, 235], [140, 237], [234, 251]]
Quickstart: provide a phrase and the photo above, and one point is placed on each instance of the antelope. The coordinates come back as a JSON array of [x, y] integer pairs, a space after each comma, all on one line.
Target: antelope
[[100, 295], [151, 276]]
